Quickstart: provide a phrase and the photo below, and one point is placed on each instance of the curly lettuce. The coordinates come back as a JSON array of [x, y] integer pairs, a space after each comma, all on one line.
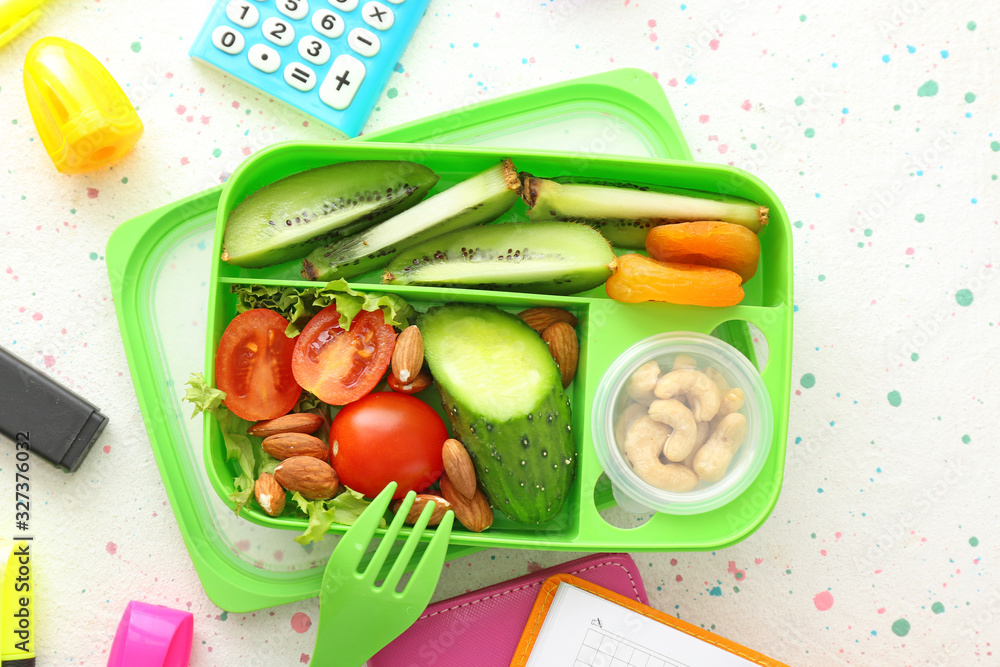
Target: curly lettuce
[[299, 305]]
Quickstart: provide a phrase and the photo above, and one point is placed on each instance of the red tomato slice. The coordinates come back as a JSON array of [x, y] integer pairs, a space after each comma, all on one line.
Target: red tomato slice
[[342, 366], [385, 437], [253, 365]]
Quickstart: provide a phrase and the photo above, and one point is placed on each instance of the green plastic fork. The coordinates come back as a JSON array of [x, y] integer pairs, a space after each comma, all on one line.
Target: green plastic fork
[[358, 617]]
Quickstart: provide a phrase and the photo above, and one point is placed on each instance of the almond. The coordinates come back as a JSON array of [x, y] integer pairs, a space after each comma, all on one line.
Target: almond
[[441, 506], [314, 479], [458, 466], [475, 514], [293, 422], [286, 445], [269, 494], [541, 319], [565, 349], [415, 385], [408, 355]]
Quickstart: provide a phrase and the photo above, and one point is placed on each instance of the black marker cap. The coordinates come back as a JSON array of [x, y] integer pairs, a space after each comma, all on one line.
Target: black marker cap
[[58, 425], [24, 662]]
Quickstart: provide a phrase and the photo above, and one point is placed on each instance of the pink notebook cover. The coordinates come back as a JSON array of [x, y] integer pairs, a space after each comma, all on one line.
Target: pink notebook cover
[[482, 628]]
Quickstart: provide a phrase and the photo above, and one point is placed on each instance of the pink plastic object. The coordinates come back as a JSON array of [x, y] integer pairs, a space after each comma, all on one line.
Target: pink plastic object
[[152, 635], [483, 627]]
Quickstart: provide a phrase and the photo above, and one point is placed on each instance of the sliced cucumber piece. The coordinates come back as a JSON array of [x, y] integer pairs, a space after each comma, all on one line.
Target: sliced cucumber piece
[[625, 214], [503, 394], [482, 198], [288, 218], [548, 257]]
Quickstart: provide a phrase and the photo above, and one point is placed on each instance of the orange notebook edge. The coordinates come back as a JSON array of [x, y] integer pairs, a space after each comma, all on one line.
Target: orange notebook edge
[[548, 590]]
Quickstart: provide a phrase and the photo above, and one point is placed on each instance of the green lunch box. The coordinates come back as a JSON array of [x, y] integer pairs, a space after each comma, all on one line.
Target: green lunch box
[[170, 259]]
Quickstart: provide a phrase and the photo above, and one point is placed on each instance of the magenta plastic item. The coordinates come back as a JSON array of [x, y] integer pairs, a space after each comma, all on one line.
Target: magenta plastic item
[[483, 627], [152, 635]]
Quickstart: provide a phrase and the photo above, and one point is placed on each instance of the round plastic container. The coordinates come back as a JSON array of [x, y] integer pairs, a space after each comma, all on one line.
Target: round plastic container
[[611, 399]]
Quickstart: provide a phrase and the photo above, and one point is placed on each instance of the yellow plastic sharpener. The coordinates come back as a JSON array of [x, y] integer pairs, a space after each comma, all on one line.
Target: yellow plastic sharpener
[[82, 115]]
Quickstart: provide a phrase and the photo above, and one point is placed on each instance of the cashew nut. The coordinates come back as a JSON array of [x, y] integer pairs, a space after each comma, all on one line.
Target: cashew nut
[[712, 460], [717, 378], [682, 438], [640, 385], [671, 477], [628, 416], [702, 395], [643, 446], [644, 433], [731, 402], [684, 361], [704, 430]]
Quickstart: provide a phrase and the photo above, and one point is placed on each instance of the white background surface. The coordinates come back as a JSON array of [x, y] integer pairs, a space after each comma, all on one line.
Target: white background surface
[[880, 548]]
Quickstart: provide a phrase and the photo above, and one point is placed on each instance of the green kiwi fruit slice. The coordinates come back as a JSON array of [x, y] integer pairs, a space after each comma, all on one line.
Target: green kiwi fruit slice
[[546, 257], [287, 219], [479, 199], [624, 214]]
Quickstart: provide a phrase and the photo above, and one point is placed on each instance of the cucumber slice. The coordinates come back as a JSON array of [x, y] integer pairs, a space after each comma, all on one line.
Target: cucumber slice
[[503, 394], [625, 214], [288, 218], [549, 257], [482, 198]]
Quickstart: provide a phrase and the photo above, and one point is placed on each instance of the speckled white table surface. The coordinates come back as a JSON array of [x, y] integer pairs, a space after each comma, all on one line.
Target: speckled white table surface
[[875, 123]]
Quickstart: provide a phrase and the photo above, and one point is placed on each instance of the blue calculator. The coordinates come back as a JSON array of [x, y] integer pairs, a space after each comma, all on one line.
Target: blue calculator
[[328, 58]]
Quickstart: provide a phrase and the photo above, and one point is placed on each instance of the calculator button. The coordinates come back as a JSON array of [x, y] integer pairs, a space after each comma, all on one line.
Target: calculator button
[[378, 15], [396, 2], [327, 23], [228, 40], [294, 9], [242, 13], [364, 42], [300, 77], [342, 82], [344, 5], [264, 58], [277, 31], [314, 50]]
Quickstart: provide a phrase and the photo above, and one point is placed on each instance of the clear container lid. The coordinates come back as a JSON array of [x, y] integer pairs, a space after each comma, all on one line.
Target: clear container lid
[[640, 497]]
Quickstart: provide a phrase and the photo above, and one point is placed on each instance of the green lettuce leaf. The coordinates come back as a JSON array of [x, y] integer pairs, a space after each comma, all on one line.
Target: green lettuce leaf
[[299, 305], [344, 508], [239, 446], [204, 397]]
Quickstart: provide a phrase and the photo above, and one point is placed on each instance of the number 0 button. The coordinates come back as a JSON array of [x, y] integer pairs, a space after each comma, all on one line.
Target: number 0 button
[[228, 40], [327, 23], [277, 31], [342, 82], [377, 15], [242, 13]]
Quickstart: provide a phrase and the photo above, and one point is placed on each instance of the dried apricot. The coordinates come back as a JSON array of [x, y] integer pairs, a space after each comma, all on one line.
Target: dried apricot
[[639, 278], [719, 244]]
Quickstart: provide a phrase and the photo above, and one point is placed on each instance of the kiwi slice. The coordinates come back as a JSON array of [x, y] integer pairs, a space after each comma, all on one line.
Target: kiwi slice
[[624, 214], [479, 199], [288, 218], [547, 257]]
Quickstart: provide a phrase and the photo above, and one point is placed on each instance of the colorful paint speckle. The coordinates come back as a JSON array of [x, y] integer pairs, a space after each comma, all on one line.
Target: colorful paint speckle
[[876, 126]]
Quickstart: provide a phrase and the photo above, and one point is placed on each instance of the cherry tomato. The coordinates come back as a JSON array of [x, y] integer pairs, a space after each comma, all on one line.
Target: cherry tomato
[[342, 366], [253, 365], [387, 437]]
